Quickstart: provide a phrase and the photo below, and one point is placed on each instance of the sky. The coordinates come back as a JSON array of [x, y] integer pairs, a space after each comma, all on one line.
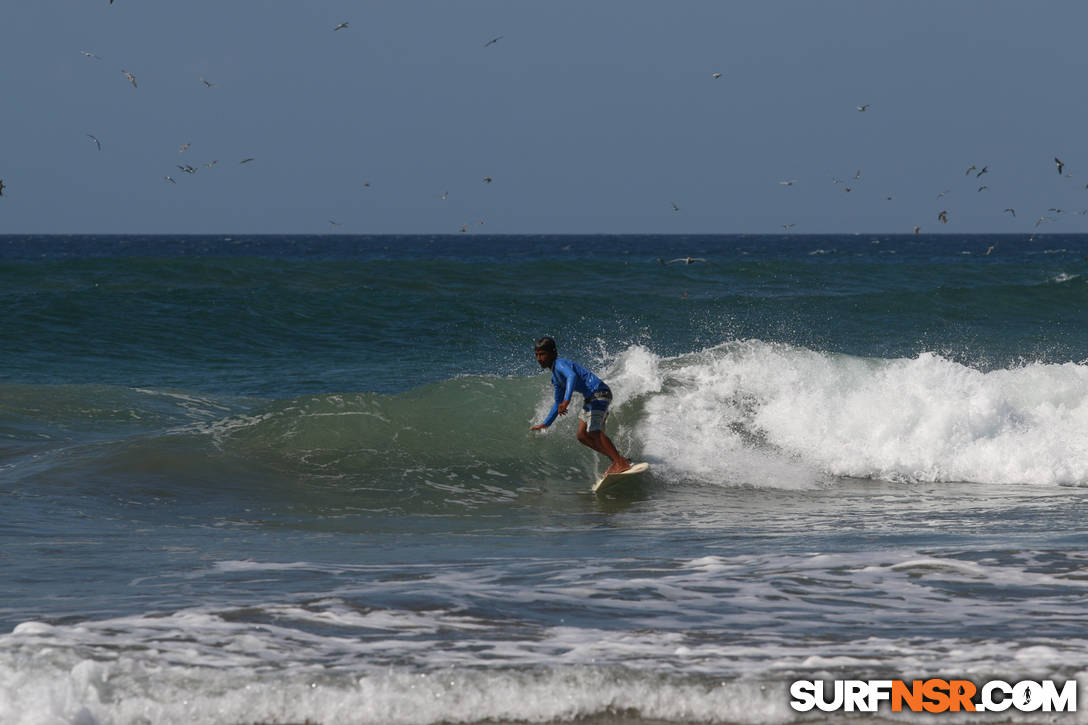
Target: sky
[[610, 116]]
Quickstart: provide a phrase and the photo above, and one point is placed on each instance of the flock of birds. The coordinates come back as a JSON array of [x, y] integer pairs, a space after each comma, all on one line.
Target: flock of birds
[[943, 215], [190, 169]]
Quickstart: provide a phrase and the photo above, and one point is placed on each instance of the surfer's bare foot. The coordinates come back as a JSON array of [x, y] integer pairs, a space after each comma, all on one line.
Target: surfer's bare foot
[[619, 467]]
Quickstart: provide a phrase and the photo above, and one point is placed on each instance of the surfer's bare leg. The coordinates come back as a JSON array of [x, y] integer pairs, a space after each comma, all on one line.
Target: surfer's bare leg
[[598, 441]]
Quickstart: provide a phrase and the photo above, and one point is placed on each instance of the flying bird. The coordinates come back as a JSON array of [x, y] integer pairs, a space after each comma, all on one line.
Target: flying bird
[[1060, 164], [96, 143], [246, 161], [674, 206], [212, 163], [970, 168], [917, 229], [184, 147], [170, 179], [685, 260], [1, 187], [946, 191], [983, 187], [206, 82], [943, 217], [789, 182], [186, 168], [1010, 210], [131, 77], [89, 54], [444, 195], [788, 227], [864, 108], [717, 75], [341, 26], [984, 170], [493, 41], [487, 179]]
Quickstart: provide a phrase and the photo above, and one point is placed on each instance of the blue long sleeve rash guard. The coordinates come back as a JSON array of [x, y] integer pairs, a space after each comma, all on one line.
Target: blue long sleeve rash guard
[[568, 377]]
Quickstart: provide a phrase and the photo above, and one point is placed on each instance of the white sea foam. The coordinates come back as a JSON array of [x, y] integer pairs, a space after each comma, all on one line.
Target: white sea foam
[[710, 639], [753, 413]]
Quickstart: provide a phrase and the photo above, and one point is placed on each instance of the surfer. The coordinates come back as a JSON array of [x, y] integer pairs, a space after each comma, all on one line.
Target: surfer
[[569, 377]]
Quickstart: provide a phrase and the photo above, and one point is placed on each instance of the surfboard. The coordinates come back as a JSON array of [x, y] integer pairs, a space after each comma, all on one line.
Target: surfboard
[[609, 480]]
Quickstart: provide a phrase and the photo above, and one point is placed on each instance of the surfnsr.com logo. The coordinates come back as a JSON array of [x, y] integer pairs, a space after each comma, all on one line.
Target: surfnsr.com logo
[[933, 695]]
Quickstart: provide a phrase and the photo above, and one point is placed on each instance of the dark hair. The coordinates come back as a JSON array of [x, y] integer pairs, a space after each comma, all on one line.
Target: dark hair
[[545, 343]]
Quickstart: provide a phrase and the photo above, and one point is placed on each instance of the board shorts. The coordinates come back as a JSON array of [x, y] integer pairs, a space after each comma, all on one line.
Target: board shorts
[[595, 409]]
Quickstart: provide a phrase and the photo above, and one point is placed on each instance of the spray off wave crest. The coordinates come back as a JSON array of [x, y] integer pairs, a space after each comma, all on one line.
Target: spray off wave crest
[[754, 413]]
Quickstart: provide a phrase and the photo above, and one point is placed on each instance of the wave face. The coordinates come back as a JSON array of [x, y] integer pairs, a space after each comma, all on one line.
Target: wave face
[[743, 413]]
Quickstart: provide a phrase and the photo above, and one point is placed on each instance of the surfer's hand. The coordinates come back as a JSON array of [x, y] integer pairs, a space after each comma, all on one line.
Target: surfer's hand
[[538, 427], [562, 409]]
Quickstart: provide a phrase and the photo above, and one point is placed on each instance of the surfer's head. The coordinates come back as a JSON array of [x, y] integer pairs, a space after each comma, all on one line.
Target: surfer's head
[[546, 352]]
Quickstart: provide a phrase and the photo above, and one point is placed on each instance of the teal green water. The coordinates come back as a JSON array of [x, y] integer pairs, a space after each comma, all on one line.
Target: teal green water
[[280, 478]]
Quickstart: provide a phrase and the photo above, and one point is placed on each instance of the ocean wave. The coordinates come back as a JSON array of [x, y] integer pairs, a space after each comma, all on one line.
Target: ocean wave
[[743, 413], [771, 414]]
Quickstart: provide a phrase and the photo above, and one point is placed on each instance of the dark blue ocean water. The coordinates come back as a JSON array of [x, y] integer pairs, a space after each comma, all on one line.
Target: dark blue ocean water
[[291, 478]]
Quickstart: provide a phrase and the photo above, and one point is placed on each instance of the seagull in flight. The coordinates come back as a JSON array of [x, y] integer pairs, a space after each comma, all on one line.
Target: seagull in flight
[[1061, 166], [1010, 210], [970, 168], [246, 161], [89, 54], [674, 206], [685, 260], [984, 170], [131, 78], [493, 40], [717, 75], [943, 217], [206, 82], [487, 179], [864, 108], [96, 143], [788, 227], [788, 182], [341, 26], [170, 179], [1, 187]]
